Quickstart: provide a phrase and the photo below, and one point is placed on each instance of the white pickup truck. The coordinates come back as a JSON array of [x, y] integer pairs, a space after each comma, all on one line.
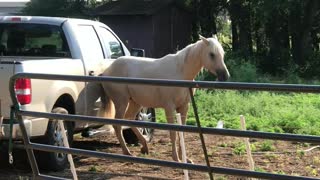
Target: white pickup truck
[[54, 46]]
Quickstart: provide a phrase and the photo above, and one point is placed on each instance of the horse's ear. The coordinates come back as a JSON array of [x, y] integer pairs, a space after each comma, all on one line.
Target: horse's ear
[[204, 39], [215, 36]]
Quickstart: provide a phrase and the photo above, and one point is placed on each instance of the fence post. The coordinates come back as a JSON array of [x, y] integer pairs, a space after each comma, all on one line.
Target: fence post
[[247, 143]]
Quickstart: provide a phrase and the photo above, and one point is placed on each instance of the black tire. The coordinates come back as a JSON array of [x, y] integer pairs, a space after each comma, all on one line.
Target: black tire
[[55, 161], [129, 135]]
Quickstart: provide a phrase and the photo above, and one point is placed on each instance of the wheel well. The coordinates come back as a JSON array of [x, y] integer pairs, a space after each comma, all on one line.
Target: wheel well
[[67, 102]]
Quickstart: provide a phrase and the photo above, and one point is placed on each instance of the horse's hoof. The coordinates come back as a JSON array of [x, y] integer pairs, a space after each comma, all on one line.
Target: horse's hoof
[[144, 150], [128, 153], [190, 161]]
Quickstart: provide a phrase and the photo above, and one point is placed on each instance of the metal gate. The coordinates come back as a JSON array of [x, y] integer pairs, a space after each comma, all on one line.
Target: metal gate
[[29, 146]]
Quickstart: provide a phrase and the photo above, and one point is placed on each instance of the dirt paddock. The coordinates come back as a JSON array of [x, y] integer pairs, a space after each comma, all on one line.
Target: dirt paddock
[[283, 158]]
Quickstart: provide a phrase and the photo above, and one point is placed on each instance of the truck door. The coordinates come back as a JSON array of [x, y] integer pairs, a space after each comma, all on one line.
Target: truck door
[[93, 58]]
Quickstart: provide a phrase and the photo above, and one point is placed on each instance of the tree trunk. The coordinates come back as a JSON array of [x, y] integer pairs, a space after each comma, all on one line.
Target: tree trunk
[[278, 38], [300, 28], [234, 6], [241, 26]]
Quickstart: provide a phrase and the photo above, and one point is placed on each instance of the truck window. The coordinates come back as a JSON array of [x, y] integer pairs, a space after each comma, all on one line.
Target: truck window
[[110, 43], [89, 42], [38, 40]]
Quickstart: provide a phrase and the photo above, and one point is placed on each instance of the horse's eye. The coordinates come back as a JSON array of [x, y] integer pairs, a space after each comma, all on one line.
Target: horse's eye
[[211, 55]]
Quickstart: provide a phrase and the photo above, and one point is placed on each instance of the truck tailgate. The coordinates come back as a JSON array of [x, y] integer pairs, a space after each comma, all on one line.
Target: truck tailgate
[[6, 71]]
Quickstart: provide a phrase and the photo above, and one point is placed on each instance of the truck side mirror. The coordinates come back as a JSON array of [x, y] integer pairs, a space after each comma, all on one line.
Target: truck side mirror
[[137, 52]]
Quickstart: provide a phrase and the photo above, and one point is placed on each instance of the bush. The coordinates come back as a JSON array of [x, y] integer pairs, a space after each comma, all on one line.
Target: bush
[[241, 70]]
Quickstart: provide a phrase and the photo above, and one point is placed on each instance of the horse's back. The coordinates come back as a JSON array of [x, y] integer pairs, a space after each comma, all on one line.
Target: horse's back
[[140, 67]]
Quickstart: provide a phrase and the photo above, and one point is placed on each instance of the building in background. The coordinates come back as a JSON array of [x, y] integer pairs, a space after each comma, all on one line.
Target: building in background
[[158, 26], [12, 7]]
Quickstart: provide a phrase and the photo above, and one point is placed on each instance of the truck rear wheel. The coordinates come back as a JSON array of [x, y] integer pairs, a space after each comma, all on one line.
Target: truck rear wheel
[[55, 161], [146, 114]]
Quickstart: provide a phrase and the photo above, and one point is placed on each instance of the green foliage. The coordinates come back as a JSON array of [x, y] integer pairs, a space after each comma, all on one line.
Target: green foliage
[[93, 169], [62, 8], [267, 146], [258, 169], [239, 149], [264, 111], [300, 153], [241, 70]]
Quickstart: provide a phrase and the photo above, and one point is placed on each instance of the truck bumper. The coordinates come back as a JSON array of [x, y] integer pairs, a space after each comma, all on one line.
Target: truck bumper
[[35, 127]]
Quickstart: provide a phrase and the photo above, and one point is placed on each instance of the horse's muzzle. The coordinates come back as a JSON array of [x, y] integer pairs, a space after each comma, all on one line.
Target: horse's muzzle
[[223, 75]]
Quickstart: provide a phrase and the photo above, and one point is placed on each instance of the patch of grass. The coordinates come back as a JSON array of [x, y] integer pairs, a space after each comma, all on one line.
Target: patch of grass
[[239, 149], [223, 145], [271, 156], [258, 169], [267, 145], [220, 177], [280, 172], [300, 153], [311, 171], [316, 160], [264, 111], [93, 169]]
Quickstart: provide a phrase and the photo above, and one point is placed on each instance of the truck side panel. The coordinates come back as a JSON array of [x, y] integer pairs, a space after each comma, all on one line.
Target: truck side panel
[[6, 71]]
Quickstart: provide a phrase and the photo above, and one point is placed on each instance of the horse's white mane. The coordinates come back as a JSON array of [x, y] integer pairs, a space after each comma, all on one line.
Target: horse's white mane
[[185, 52]]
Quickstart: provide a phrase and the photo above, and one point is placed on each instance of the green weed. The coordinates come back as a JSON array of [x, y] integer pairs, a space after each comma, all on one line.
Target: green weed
[[264, 111], [239, 149], [267, 146]]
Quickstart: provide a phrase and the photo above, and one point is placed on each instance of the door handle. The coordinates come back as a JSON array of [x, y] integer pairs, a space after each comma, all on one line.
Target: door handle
[[91, 73]]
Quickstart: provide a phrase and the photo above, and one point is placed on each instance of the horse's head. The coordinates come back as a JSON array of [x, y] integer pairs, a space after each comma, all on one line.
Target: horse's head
[[212, 58]]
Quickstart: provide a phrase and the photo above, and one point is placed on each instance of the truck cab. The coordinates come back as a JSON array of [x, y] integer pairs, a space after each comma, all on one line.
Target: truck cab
[[52, 45]]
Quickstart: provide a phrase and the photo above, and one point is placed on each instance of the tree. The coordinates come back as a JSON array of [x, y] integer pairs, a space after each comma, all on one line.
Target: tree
[[285, 33], [240, 16], [65, 8], [276, 44], [205, 13], [301, 21], [46, 8]]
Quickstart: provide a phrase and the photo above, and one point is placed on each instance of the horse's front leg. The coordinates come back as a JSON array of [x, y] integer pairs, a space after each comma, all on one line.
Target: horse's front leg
[[173, 134], [183, 110]]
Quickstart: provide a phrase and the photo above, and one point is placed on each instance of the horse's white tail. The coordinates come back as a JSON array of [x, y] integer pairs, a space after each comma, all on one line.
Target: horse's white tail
[[107, 109]]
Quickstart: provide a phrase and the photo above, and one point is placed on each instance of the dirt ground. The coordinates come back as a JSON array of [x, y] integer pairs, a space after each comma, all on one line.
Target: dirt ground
[[285, 158]]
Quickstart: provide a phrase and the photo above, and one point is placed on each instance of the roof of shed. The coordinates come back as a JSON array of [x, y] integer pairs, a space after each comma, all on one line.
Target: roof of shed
[[132, 7]]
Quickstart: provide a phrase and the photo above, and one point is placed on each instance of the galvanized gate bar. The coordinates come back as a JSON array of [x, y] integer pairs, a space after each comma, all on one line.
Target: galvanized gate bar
[[203, 144], [156, 162], [175, 83], [26, 142], [175, 127]]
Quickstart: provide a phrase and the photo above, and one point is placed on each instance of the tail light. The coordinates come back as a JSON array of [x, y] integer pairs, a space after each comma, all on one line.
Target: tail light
[[23, 90]]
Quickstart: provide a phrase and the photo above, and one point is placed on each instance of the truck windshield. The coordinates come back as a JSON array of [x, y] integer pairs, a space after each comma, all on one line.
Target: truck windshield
[[33, 40]]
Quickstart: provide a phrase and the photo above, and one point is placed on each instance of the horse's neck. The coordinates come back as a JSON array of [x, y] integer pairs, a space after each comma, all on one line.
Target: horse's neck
[[190, 63]]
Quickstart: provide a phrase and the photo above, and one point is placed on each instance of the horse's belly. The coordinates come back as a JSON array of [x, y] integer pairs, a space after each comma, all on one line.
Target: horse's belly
[[157, 96]]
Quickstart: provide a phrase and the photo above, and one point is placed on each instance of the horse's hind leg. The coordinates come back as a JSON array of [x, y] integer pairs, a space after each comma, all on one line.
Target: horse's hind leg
[[132, 110], [120, 111]]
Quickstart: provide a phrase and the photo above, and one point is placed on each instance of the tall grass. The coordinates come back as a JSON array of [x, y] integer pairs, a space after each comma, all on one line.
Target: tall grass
[[264, 111]]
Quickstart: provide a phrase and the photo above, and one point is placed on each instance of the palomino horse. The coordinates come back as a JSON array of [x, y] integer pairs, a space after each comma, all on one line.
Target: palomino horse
[[127, 99]]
